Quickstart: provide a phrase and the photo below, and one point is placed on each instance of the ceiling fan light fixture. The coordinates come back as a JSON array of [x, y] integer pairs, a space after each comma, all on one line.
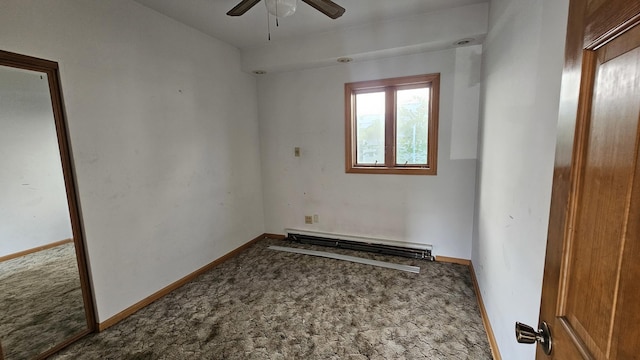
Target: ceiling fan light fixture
[[281, 8]]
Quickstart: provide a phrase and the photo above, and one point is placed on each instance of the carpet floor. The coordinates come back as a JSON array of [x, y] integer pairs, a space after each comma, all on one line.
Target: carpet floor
[[266, 304], [40, 301]]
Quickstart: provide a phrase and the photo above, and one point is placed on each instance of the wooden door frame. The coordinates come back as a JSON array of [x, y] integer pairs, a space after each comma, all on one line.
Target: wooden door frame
[[52, 71], [571, 122]]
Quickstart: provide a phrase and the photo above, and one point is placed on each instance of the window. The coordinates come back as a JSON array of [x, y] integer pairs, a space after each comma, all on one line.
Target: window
[[391, 125]]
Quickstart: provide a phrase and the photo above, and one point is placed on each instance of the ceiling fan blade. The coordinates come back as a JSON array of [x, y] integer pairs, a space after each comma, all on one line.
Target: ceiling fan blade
[[327, 7], [242, 7]]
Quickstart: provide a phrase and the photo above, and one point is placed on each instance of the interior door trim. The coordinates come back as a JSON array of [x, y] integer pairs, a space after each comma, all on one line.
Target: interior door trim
[[52, 70]]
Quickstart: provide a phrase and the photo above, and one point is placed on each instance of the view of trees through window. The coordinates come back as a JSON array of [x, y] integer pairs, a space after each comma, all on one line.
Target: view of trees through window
[[391, 125], [370, 109], [412, 123]]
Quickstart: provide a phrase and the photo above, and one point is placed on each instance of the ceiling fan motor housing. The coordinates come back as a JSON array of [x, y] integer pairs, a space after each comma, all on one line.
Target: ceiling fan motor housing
[[281, 8]]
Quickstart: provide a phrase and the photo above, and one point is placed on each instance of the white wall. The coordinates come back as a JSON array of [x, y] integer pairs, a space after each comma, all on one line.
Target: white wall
[[163, 126], [305, 108], [33, 202], [418, 33], [522, 66]]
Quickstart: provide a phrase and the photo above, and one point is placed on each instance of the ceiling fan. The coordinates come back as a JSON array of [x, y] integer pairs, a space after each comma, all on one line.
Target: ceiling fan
[[326, 7]]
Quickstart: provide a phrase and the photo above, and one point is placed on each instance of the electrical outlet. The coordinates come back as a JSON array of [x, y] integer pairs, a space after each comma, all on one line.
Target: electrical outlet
[[315, 218], [296, 151], [308, 219]]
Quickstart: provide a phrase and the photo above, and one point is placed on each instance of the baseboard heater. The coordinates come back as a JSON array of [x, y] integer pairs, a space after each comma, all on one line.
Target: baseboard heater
[[385, 249]]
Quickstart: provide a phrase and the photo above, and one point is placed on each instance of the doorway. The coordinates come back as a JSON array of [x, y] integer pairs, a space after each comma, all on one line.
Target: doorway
[[44, 285], [590, 290]]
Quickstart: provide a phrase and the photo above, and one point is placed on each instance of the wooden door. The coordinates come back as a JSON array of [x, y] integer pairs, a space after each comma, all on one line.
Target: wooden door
[[591, 289]]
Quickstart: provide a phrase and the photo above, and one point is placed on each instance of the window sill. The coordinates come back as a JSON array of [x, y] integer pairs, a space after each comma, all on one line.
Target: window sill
[[391, 170]]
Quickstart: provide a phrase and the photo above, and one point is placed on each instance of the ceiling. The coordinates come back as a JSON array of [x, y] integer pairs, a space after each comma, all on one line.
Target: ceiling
[[251, 29]]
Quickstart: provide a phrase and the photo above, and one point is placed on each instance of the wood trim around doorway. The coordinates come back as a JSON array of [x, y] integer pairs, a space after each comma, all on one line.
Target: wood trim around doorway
[[51, 69], [72, 197]]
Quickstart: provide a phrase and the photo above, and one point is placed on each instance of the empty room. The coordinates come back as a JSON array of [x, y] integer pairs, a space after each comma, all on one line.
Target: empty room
[[315, 179]]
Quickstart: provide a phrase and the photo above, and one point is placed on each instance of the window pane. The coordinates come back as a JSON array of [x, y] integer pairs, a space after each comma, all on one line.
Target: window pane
[[412, 117], [370, 128]]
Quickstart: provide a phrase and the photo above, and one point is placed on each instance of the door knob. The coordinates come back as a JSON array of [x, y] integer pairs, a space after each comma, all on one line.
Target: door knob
[[525, 334]]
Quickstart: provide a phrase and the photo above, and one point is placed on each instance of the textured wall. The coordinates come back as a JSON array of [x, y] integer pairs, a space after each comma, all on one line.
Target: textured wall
[[306, 108], [522, 65]]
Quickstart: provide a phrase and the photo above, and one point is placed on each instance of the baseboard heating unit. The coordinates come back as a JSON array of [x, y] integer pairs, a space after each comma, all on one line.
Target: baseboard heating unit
[[387, 247]]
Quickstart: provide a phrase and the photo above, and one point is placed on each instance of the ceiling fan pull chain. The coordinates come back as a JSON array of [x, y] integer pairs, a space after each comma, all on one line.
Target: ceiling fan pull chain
[[277, 25], [268, 26]]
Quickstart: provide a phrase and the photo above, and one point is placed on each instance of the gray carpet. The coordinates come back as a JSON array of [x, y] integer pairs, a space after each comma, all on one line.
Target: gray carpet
[[265, 304], [40, 301]]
